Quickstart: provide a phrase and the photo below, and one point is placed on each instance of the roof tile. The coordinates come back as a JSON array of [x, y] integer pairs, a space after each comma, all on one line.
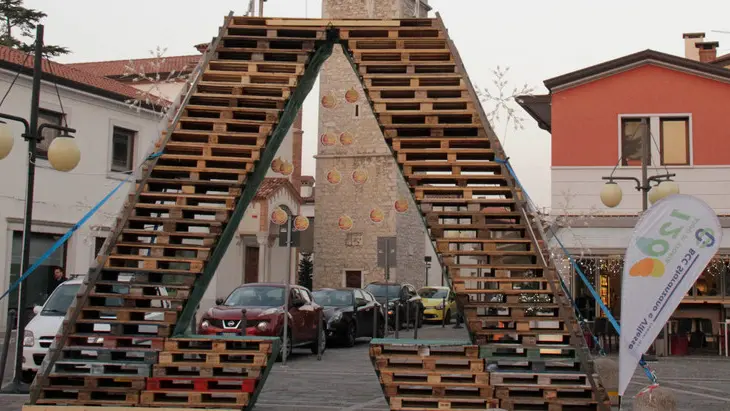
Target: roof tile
[[117, 68], [71, 74]]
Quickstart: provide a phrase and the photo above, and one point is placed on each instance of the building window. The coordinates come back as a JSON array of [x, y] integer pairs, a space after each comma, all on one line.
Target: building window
[[674, 141], [48, 134], [122, 149], [633, 130]]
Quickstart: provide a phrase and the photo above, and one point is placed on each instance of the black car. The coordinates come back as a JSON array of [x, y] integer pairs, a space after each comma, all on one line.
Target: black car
[[404, 296], [349, 313]]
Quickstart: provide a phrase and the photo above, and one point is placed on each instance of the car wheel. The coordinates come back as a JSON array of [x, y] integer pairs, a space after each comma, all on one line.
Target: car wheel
[[448, 317], [350, 335], [321, 342], [285, 345]]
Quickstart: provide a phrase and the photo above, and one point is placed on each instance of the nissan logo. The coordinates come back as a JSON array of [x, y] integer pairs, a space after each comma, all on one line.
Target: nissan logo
[[231, 323]]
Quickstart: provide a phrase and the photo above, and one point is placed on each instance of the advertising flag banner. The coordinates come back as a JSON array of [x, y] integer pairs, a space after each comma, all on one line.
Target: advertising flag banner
[[672, 244]]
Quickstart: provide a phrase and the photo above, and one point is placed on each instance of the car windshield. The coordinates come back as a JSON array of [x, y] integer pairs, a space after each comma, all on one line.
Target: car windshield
[[256, 297], [335, 298], [433, 292], [60, 300], [378, 290]]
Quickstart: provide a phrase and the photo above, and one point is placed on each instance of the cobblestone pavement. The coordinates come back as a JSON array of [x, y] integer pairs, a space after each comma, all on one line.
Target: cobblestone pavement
[[344, 380]]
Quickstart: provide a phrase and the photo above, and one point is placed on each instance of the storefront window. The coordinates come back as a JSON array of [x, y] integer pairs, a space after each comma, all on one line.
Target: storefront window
[[583, 298]]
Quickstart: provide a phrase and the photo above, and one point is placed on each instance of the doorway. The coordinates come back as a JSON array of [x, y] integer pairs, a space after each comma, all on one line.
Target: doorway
[[251, 267], [353, 279], [38, 284]]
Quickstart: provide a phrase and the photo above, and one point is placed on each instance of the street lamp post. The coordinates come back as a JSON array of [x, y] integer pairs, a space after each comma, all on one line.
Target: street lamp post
[[611, 194], [427, 260], [64, 155]]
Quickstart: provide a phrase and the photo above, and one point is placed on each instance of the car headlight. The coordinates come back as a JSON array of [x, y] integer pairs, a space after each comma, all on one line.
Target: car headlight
[[204, 325], [440, 306], [336, 317], [272, 311], [262, 326], [28, 339]]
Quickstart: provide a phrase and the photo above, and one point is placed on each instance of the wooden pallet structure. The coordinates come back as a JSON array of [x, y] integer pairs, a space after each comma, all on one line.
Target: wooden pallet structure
[[125, 336]]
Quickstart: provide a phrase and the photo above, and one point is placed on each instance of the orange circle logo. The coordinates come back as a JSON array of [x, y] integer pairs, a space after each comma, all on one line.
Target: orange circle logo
[[301, 223], [401, 205], [347, 138], [352, 95], [287, 168], [345, 223], [329, 101], [328, 139], [279, 216], [377, 215], [359, 176], [334, 176]]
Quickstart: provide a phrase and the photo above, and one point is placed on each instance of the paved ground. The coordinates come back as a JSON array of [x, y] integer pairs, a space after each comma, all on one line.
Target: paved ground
[[344, 380]]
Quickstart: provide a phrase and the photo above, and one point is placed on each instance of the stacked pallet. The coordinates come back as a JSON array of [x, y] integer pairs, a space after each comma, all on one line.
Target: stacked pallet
[[209, 372], [424, 375], [177, 223], [484, 235]]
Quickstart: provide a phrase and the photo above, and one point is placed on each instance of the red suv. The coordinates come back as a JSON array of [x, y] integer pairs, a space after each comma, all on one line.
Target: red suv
[[264, 305]]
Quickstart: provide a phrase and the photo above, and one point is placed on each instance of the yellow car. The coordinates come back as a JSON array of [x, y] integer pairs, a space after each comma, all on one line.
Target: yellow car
[[433, 303]]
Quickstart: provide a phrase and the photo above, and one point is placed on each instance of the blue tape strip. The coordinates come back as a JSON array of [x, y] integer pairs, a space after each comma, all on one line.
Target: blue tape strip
[[596, 296], [73, 229]]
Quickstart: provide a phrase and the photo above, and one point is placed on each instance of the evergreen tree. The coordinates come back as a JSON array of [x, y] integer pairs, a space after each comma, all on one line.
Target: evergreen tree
[[17, 21], [305, 271]]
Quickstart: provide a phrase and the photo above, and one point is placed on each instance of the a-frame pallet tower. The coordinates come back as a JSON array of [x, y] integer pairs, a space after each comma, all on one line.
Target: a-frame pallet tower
[[184, 210]]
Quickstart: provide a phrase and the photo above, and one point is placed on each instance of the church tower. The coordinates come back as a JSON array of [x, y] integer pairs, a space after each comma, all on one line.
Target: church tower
[[361, 195]]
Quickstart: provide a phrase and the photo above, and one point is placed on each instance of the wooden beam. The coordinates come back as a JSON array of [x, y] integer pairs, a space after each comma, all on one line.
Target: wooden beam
[[337, 23]]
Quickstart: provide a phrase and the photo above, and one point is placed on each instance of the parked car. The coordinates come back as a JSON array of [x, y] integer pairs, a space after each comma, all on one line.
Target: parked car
[[42, 329], [350, 313], [404, 296], [264, 304], [434, 308]]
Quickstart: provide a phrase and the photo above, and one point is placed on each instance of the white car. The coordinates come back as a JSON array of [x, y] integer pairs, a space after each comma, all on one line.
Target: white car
[[42, 329]]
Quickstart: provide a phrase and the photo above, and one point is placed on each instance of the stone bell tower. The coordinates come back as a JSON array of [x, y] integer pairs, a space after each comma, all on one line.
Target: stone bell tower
[[358, 181]]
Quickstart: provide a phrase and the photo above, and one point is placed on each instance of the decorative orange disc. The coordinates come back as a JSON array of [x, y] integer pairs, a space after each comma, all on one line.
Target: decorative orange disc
[[329, 100], [352, 95], [359, 176], [347, 138], [345, 223], [334, 176], [328, 139], [401, 205], [287, 168], [301, 223], [279, 216], [377, 215]]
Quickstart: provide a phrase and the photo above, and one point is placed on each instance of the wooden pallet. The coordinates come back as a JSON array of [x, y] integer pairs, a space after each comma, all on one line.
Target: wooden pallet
[[216, 151], [195, 399], [202, 384]]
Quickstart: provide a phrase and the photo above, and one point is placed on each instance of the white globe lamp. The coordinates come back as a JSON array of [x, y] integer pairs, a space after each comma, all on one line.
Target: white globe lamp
[[667, 188], [63, 153], [655, 194], [6, 140], [611, 194]]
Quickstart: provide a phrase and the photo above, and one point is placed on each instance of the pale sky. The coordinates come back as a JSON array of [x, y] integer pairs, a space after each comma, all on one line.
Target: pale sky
[[537, 39]]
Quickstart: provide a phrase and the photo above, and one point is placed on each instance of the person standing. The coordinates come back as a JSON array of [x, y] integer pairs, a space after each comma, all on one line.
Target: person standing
[[59, 276]]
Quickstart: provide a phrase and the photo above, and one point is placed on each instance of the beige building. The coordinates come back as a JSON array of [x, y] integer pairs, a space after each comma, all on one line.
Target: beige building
[[358, 181]]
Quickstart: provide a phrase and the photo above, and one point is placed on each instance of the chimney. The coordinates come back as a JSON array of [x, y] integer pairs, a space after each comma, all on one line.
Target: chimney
[[202, 47], [690, 51], [707, 50]]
